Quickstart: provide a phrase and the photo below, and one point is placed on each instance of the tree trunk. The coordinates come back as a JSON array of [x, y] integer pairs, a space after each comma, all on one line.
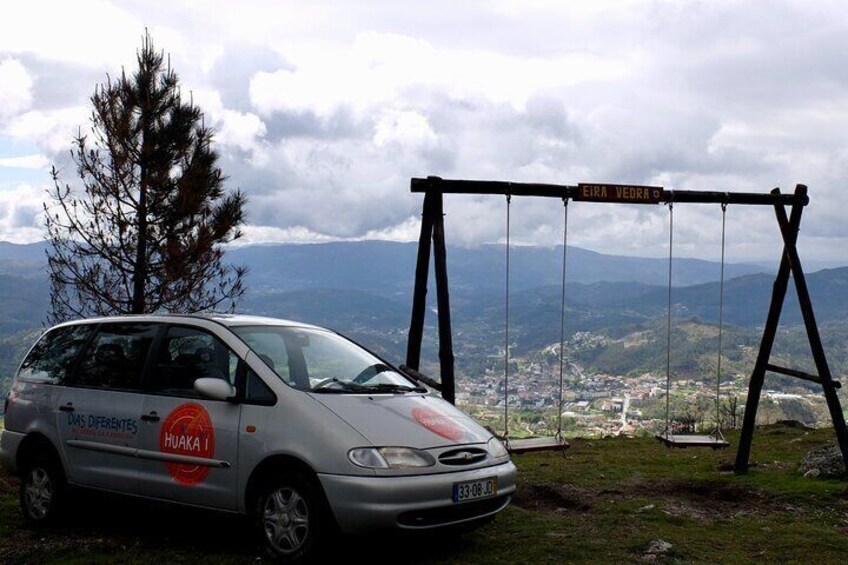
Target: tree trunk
[[139, 304]]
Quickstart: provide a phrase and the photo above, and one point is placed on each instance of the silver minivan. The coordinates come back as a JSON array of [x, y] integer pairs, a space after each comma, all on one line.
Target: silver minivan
[[294, 425]]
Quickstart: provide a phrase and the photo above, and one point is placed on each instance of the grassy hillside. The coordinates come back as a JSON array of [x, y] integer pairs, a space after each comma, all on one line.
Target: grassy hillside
[[604, 501]]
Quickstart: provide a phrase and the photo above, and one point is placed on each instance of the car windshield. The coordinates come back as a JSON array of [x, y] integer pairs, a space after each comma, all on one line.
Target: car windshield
[[322, 361]]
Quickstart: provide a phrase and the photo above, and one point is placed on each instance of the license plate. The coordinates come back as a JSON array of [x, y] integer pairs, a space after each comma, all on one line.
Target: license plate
[[472, 490]]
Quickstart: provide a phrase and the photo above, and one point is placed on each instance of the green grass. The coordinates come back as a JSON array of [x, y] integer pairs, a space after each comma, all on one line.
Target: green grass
[[604, 501]]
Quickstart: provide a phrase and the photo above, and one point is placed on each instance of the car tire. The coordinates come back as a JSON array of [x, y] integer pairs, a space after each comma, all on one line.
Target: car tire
[[42, 490], [288, 518]]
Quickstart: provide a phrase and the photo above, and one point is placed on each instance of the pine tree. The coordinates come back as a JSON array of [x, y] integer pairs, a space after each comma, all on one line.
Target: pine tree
[[145, 229]]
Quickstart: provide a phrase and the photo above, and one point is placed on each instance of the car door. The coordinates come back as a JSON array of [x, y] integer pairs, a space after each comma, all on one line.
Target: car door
[[100, 404], [189, 444]]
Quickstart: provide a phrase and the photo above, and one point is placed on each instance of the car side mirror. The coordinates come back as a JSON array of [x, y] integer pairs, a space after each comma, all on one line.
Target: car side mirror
[[215, 389]]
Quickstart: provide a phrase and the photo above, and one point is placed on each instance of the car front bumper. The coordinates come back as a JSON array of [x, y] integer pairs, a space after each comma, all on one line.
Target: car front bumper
[[367, 504]]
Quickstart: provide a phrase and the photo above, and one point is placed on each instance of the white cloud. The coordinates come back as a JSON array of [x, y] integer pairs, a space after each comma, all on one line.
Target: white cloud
[[15, 88], [241, 130], [268, 234], [404, 129], [90, 32], [381, 68], [25, 162], [20, 213], [407, 230], [52, 130], [570, 9]]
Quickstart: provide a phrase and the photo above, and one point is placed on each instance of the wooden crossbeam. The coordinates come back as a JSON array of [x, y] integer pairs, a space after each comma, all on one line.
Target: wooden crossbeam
[[451, 186], [798, 374]]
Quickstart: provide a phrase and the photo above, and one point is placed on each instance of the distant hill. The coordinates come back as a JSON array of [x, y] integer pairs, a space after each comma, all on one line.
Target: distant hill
[[746, 299], [27, 252], [23, 303], [617, 308], [22, 260], [364, 289], [388, 268], [338, 308], [345, 284]]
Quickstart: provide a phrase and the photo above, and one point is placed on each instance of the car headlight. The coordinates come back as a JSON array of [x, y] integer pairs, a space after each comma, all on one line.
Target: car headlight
[[496, 448], [390, 458]]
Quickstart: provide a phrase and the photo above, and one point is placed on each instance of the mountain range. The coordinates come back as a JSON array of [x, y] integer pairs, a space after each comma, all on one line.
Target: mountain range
[[344, 281], [388, 267]]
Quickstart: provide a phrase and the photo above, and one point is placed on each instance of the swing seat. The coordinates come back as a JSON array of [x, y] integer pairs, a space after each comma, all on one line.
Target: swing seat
[[690, 440], [536, 444]]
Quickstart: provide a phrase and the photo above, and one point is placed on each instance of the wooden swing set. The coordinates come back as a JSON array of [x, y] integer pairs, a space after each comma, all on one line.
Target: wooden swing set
[[432, 237]]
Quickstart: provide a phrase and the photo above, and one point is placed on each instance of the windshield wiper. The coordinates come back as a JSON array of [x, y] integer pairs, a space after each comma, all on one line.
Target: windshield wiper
[[391, 387], [336, 386]]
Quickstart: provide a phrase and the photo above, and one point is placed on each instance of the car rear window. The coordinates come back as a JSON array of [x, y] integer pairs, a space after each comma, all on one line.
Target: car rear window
[[51, 358], [116, 357]]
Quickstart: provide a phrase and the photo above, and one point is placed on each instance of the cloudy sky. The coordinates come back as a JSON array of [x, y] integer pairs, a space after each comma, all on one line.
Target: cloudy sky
[[325, 109]]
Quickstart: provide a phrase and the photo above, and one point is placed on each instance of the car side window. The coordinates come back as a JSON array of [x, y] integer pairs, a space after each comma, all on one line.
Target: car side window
[[257, 392], [187, 354], [52, 356], [271, 348], [116, 357]]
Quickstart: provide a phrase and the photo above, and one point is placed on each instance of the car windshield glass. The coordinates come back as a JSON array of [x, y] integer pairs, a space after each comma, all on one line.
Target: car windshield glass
[[322, 361]]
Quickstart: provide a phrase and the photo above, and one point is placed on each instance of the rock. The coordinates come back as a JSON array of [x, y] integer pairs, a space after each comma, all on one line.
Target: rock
[[658, 547], [792, 424], [646, 508], [824, 462]]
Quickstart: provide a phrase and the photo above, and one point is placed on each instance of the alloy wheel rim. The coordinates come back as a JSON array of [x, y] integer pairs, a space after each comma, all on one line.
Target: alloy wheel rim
[[286, 520], [38, 493]]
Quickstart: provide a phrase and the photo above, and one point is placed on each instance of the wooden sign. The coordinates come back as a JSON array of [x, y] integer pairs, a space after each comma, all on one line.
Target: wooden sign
[[634, 194]]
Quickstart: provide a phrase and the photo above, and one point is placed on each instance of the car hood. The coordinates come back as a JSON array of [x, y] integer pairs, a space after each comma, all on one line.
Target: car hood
[[411, 420]]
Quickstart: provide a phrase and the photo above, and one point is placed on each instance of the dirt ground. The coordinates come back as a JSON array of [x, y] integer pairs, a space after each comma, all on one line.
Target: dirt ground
[[703, 501]]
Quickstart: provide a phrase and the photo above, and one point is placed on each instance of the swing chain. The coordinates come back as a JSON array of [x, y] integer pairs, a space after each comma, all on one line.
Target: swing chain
[[717, 432], [562, 316], [668, 431], [506, 327]]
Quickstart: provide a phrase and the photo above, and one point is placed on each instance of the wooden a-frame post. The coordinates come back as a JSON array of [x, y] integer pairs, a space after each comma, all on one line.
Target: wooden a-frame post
[[432, 230], [790, 265]]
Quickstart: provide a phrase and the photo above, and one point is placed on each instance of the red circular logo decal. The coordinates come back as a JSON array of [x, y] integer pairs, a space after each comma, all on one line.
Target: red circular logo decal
[[438, 423], [188, 431]]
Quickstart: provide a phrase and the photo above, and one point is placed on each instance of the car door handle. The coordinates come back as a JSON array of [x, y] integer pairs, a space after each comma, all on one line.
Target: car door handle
[[152, 417], [69, 407]]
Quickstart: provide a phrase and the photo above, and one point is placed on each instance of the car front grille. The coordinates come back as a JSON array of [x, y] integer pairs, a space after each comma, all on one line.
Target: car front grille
[[464, 456]]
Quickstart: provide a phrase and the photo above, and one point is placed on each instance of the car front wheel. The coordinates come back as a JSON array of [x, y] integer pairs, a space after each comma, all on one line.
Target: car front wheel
[[288, 518]]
